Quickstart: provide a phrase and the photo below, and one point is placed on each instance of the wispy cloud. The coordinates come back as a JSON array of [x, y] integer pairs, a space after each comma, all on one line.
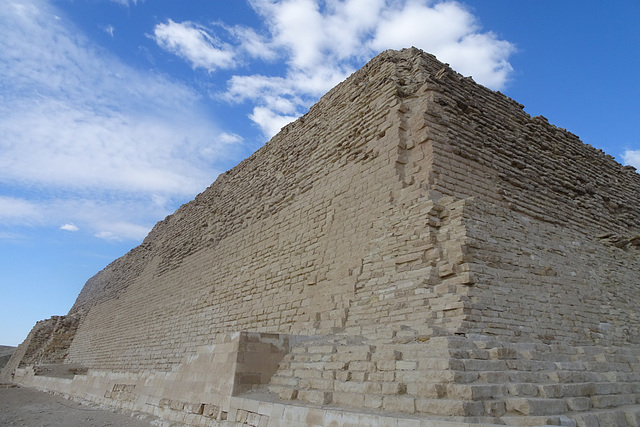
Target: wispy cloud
[[321, 43], [127, 2], [194, 44], [18, 210], [632, 157], [7, 235], [109, 29], [69, 227], [80, 127]]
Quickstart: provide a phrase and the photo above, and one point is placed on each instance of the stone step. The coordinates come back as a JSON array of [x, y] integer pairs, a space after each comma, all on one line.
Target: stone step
[[450, 407], [532, 406], [457, 377]]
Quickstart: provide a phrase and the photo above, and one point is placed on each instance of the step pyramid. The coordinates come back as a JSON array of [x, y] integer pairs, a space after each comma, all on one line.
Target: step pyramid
[[415, 250]]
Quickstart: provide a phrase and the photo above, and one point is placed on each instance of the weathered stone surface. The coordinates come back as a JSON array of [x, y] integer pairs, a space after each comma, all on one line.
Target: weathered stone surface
[[414, 244]]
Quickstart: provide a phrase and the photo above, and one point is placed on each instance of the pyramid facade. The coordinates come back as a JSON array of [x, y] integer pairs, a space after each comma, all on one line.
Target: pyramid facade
[[415, 249]]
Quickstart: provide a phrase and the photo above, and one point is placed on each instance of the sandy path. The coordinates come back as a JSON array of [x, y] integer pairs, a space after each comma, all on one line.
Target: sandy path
[[28, 407]]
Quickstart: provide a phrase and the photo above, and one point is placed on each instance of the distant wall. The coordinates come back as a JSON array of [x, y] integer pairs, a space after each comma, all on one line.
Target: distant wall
[[5, 354]]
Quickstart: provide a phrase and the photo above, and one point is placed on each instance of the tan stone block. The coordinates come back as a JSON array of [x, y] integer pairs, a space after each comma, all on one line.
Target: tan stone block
[[449, 407], [362, 366], [386, 365], [536, 406], [348, 399], [241, 416], [578, 404], [176, 405], [308, 373], [211, 410], [315, 396], [502, 353], [360, 376], [393, 388], [194, 408], [494, 408], [399, 404], [403, 365], [264, 421], [343, 376], [612, 400], [426, 389], [372, 401], [253, 419], [324, 349], [350, 386]]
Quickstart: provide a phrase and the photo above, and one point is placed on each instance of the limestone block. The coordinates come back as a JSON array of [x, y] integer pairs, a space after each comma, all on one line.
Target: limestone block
[[523, 389], [580, 389], [403, 365], [320, 384], [372, 401], [475, 391], [348, 399], [502, 353], [536, 406], [386, 365], [494, 408], [427, 390], [399, 404], [363, 366], [394, 388], [612, 400], [210, 410], [613, 418], [449, 407], [315, 396], [350, 386], [633, 417], [253, 419], [578, 404], [285, 393]]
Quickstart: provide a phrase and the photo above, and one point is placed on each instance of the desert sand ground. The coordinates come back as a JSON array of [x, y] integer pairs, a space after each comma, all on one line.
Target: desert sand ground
[[21, 406]]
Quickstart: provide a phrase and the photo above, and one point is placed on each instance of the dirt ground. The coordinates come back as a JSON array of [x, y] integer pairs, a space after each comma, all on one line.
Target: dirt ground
[[23, 406]]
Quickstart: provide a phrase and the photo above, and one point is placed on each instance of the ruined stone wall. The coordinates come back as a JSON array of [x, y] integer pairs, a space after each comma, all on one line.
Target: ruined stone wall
[[47, 343]]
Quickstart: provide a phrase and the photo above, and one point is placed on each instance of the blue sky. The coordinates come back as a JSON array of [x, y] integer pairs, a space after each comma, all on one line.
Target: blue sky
[[113, 113]]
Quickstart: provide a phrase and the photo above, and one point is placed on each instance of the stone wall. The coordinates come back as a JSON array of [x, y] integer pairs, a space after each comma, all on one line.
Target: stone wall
[[276, 244], [47, 343], [551, 224], [428, 243], [340, 221]]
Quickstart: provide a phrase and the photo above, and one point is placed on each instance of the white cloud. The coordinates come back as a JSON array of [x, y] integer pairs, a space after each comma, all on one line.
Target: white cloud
[[109, 29], [229, 138], [127, 2], [123, 230], [255, 45], [194, 44], [7, 235], [632, 158], [13, 209], [107, 235], [69, 227], [269, 121], [321, 43], [101, 142]]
